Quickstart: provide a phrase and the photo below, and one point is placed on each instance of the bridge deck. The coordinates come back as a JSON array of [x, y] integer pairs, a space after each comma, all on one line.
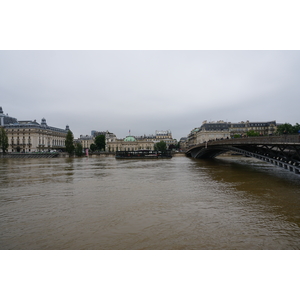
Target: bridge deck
[[282, 151], [271, 140]]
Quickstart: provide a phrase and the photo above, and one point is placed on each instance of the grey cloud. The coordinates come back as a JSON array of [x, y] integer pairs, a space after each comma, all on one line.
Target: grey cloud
[[149, 90]]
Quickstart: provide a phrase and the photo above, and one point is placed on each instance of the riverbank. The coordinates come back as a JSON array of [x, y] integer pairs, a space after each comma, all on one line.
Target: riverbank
[[64, 154]]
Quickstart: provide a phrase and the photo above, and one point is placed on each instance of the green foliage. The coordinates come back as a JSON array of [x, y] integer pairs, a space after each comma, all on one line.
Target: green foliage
[[284, 128], [174, 146], [236, 136], [160, 146], [297, 128], [93, 147], [69, 142], [78, 149], [252, 133], [287, 128], [100, 142], [3, 140]]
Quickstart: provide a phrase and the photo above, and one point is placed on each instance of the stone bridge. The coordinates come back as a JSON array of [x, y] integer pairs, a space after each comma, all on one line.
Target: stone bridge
[[282, 151]]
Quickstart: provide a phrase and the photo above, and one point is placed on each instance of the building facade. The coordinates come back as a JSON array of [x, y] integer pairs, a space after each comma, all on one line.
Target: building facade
[[130, 143], [144, 142], [183, 143], [210, 131], [30, 136], [86, 141], [160, 135]]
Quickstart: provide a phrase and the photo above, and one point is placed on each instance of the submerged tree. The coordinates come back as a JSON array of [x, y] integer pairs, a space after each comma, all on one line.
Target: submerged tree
[[160, 146], [100, 142], [172, 147], [93, 147], [78, 149], [69, 143], [3, 140]]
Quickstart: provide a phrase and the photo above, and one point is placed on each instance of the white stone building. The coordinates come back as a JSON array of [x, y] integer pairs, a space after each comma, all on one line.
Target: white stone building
[[30, 136], [210, 131]]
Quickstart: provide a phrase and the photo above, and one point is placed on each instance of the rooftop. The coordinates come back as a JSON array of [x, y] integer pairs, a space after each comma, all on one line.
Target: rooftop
[[129, 138]]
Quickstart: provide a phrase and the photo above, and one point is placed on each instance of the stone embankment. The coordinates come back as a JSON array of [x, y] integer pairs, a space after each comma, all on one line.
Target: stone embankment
[[64, 154], [29, 155]]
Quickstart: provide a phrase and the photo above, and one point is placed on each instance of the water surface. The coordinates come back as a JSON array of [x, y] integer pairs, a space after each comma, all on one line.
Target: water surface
[[178, 203]]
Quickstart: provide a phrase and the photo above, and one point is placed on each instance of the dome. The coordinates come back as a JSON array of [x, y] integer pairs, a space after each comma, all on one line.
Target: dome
[[44, 122], [129, 139]]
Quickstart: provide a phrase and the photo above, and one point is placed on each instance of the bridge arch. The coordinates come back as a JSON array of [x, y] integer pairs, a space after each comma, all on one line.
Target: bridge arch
[[281, 151]]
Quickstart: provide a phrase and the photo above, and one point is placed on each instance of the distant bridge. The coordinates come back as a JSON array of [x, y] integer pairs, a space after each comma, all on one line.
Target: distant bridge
[[281, 151]]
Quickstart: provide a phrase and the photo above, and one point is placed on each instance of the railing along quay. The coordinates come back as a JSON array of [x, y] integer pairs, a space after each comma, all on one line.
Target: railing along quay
[[29, 155]]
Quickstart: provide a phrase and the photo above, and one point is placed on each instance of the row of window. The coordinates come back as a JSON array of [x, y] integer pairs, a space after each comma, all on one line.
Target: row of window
[[237, 129], [41, 142]]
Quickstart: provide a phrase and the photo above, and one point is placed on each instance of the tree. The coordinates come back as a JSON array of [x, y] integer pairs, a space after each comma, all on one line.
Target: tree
[[100, 142], [78, 149], [69, 142], [160, 146], [93, 147], [172, 146], [285, 128], [3, 140], [252, 133], [297, 128]]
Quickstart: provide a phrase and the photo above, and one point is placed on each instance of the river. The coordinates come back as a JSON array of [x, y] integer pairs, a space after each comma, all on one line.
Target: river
[[180, 203]]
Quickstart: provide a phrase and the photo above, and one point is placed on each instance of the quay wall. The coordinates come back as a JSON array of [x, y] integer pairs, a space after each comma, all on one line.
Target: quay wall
[[65, 155]]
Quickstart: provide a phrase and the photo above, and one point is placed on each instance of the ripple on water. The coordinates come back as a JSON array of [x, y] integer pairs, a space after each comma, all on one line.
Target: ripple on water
[[180, 203]]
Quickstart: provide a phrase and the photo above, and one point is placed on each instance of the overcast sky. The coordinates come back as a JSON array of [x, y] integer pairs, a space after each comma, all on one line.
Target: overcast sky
[[144, 91]]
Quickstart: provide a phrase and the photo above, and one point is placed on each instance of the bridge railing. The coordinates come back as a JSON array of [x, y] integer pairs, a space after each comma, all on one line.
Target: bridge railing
[[281, 139]]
